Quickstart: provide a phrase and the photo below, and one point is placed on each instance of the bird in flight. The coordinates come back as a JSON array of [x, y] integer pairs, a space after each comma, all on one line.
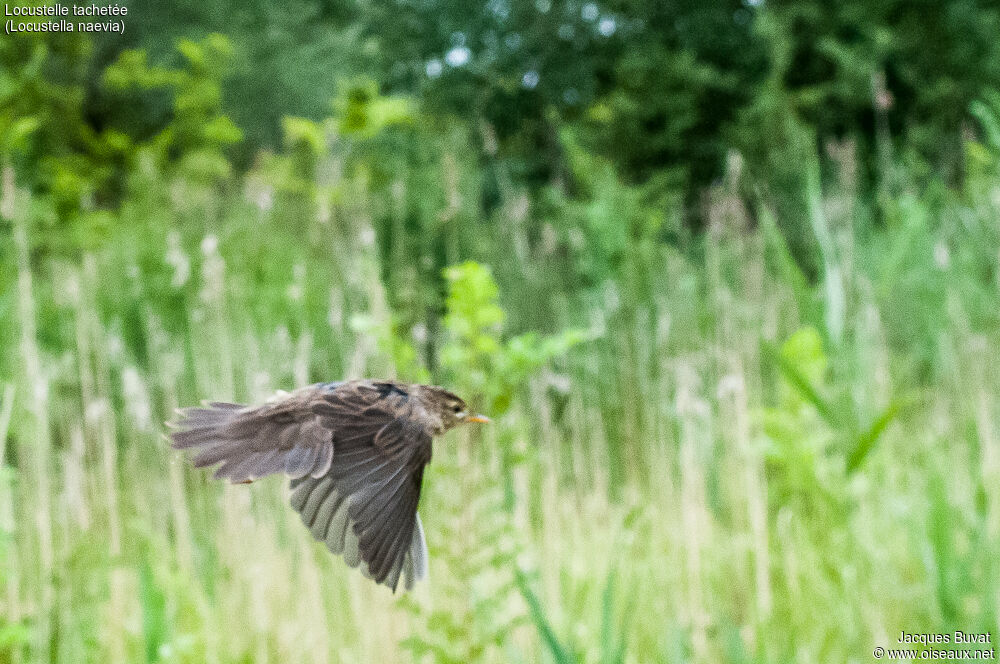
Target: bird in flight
[[355, 452]]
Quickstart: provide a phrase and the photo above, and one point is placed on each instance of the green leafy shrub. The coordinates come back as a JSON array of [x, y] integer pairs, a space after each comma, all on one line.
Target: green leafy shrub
[[475, 355], [194, 141]]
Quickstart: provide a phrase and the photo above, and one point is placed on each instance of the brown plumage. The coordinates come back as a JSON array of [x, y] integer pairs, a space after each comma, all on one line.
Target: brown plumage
[[355, 452]]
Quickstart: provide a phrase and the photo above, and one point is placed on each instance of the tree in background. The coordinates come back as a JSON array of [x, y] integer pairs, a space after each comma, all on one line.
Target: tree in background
[[663, 90]]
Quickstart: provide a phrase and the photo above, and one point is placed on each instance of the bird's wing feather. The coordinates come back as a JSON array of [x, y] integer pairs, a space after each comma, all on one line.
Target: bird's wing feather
[[356, 452], [366, 507]]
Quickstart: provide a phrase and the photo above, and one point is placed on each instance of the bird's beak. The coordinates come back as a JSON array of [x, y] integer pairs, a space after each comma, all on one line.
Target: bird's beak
[[482, 419]]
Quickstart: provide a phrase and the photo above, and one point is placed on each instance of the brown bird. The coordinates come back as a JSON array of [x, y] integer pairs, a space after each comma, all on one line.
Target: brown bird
[[355, 452]]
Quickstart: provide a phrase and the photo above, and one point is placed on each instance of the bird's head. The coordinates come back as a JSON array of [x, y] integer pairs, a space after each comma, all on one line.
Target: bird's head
[[451, 408]]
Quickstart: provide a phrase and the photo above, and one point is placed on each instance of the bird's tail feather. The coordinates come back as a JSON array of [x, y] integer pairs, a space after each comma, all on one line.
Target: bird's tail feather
[[202, 426], [221, 432], [252, 441]]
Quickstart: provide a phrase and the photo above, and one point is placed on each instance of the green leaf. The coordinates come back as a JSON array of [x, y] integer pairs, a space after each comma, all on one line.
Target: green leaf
[[612, 649], [801, 358], [549, 638], [154, 612], [13, 635], [866, 441], [989, 120], [19, 132], [304, 132]]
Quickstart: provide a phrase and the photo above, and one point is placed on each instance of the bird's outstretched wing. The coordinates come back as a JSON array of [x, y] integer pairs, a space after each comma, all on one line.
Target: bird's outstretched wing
[[356, 453]]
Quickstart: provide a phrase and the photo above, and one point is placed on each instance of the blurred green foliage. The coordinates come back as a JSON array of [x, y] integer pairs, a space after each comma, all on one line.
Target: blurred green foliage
[[725, 276], [193, 143], [654, 85], [490, 368], [662, 91]]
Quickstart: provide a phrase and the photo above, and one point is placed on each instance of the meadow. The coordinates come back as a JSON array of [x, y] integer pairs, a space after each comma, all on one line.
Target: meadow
[[699, 451]]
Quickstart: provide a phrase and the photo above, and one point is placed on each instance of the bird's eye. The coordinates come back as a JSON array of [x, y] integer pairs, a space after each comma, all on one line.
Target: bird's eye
[[455, 408]]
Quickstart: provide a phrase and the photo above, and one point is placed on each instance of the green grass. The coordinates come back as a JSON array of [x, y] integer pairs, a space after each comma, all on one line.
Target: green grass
[[725, 463]]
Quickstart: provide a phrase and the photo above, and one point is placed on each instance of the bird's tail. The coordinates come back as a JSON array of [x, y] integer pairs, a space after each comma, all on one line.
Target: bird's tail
[[198, 426], [219, 431], [252, 441]]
